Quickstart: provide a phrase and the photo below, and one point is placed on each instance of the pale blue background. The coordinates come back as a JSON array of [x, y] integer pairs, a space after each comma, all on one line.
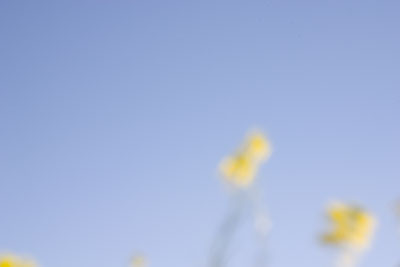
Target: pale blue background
[[115, 114]]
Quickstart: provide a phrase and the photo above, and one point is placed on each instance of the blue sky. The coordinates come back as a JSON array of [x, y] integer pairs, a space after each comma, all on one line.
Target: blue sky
[[114, 116]]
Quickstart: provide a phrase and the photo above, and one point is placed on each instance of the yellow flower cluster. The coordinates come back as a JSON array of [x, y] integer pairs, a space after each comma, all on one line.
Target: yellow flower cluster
[[14, 261], [241, 168], [352, 226]]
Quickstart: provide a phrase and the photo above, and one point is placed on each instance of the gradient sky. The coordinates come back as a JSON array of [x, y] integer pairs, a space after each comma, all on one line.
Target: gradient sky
[[114, 116]]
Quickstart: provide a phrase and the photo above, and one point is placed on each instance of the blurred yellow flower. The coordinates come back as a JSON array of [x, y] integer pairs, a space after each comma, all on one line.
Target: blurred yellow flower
[[240, 169], [138, 261], [258, 147], [352, 226], [10, 260]]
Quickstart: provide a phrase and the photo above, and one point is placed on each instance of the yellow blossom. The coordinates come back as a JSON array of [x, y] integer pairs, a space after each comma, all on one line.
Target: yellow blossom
[[240, 169], [138, 261], [258, 146], [352, 226], [10, 260]]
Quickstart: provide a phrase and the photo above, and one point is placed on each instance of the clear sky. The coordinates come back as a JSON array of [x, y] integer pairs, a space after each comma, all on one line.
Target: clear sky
[[114, 116]]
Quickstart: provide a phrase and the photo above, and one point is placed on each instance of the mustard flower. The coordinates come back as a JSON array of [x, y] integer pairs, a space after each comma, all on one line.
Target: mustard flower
[[258, 146], [352, 226], [138, 261], [10, 260], [240, 169]]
